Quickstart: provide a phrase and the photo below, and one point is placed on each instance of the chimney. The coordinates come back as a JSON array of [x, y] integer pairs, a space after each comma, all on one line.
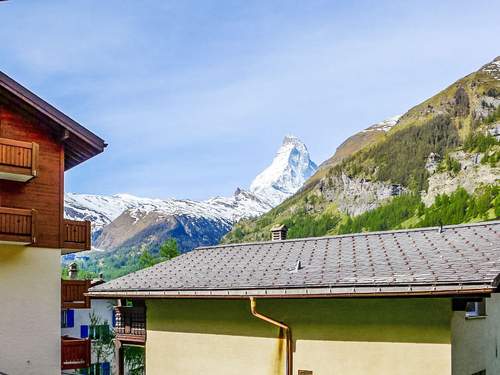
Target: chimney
[[73, 271], [278, 233]]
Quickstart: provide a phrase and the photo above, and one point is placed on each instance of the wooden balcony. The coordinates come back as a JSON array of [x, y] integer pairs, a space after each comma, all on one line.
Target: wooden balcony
[[17, 226], [18, 160], [77, 236], [73, 294], [75, 353], [130, 326]]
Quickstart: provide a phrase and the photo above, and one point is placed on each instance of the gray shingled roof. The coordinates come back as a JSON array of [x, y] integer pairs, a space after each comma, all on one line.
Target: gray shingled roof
[[458, 259]]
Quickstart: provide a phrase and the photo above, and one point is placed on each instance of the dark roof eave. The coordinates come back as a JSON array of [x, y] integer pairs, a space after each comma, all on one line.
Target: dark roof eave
[[354, 292], [94, 142]]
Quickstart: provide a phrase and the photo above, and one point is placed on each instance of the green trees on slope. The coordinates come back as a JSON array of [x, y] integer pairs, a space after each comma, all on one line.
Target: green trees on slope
[[117, 264], [401, 158], [461, 207], [409, 212], [305, 225], [388, 216], [168, 250]]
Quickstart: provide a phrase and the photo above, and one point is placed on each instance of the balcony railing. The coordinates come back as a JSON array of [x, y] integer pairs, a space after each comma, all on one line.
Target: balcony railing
[[17, 226], [73, 294], [75, 353], [76, 235], [18, 160], [130, 324]]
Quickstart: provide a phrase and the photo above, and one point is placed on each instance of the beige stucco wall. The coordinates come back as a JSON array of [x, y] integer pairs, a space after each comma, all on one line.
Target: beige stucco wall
[[397, 336], [476, 341], [29, 310]]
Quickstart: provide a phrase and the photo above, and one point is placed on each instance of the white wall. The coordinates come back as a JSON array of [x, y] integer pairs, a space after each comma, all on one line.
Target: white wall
[[475, 342], [30, 288]]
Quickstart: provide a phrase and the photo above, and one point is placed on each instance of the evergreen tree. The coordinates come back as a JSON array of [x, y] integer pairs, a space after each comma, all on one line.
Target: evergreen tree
[[168, 249]]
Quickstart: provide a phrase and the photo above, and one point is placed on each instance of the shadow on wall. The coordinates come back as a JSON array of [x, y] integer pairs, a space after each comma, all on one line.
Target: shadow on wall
[[409, 320]]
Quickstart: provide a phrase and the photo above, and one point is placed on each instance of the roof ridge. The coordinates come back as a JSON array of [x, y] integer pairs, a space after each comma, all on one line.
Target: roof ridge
[[359, 234]]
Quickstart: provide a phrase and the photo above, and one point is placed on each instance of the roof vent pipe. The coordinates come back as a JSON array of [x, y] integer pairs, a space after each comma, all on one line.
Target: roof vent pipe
[[279, 233], [73, 271]]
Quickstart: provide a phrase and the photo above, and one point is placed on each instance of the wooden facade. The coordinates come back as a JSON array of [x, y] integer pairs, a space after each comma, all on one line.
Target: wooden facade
[[130, 325], [75, 353], [32, 165], [130, 329], [18, 160], [18, 225], [73, 294], [77, 235]]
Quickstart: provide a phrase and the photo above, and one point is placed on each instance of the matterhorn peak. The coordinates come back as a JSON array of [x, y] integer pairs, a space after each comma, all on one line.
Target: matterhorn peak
[[290, 168]]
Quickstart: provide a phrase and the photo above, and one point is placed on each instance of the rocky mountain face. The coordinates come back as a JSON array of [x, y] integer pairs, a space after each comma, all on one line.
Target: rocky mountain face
[[124, 222], [470, 174], [391, 159]]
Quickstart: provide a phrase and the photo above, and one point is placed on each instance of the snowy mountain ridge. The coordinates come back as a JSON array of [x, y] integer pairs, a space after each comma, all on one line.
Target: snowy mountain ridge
[[287, 173], [104, 209], [384, 125], [108, 213]]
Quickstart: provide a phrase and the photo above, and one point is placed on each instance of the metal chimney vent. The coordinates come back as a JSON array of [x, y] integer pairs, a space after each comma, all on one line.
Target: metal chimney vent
[[279, 233]]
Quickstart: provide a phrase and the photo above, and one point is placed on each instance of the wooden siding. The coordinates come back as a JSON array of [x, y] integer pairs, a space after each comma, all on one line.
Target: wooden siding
[[75, 353], [18, 160], [73, 294], [130, 324], [45, 192], [77, 235], [17, 225]]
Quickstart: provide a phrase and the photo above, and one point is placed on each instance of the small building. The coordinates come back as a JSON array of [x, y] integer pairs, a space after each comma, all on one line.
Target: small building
[[86, 327], [38, 143], [399, 302]]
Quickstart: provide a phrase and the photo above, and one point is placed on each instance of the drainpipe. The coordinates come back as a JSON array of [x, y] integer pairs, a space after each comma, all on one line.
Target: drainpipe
[[288, 334]]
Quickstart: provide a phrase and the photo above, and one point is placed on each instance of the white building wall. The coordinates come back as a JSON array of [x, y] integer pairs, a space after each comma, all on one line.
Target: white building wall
[[475, 341], [30, 300]]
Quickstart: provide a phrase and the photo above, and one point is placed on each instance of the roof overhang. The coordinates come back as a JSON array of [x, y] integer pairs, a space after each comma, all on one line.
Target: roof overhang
[[80, 143], [333, 292]]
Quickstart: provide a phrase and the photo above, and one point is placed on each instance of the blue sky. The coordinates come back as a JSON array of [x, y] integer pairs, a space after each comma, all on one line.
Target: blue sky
[[194, 97]]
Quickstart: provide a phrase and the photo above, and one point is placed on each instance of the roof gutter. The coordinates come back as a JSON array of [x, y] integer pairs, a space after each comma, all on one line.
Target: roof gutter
[[286, 329], [284, 293]]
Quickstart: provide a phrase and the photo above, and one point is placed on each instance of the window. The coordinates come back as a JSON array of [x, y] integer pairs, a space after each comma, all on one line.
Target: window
[[105, 369], [67, 318], [476, 310]]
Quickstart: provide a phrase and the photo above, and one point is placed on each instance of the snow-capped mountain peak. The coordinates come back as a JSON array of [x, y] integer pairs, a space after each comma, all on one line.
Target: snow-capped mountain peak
[[384, 125], [126, 220], [290, 168]]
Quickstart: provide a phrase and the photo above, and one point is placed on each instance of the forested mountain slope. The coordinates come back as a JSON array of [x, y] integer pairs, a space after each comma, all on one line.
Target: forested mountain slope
[[437, 164]]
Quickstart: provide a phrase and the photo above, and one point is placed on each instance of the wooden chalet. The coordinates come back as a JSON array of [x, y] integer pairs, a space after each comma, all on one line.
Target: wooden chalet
[[38, 143]]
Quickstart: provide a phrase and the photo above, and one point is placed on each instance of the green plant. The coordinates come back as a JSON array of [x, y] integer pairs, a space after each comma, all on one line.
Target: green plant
[[450, 164], [168, 249], [102, 339], [134, 359], [479, 142]]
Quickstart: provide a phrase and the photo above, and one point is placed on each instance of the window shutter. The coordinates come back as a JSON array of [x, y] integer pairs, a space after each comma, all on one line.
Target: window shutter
[[70, 318], [113, 318], [84, 331], [105, 368]]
